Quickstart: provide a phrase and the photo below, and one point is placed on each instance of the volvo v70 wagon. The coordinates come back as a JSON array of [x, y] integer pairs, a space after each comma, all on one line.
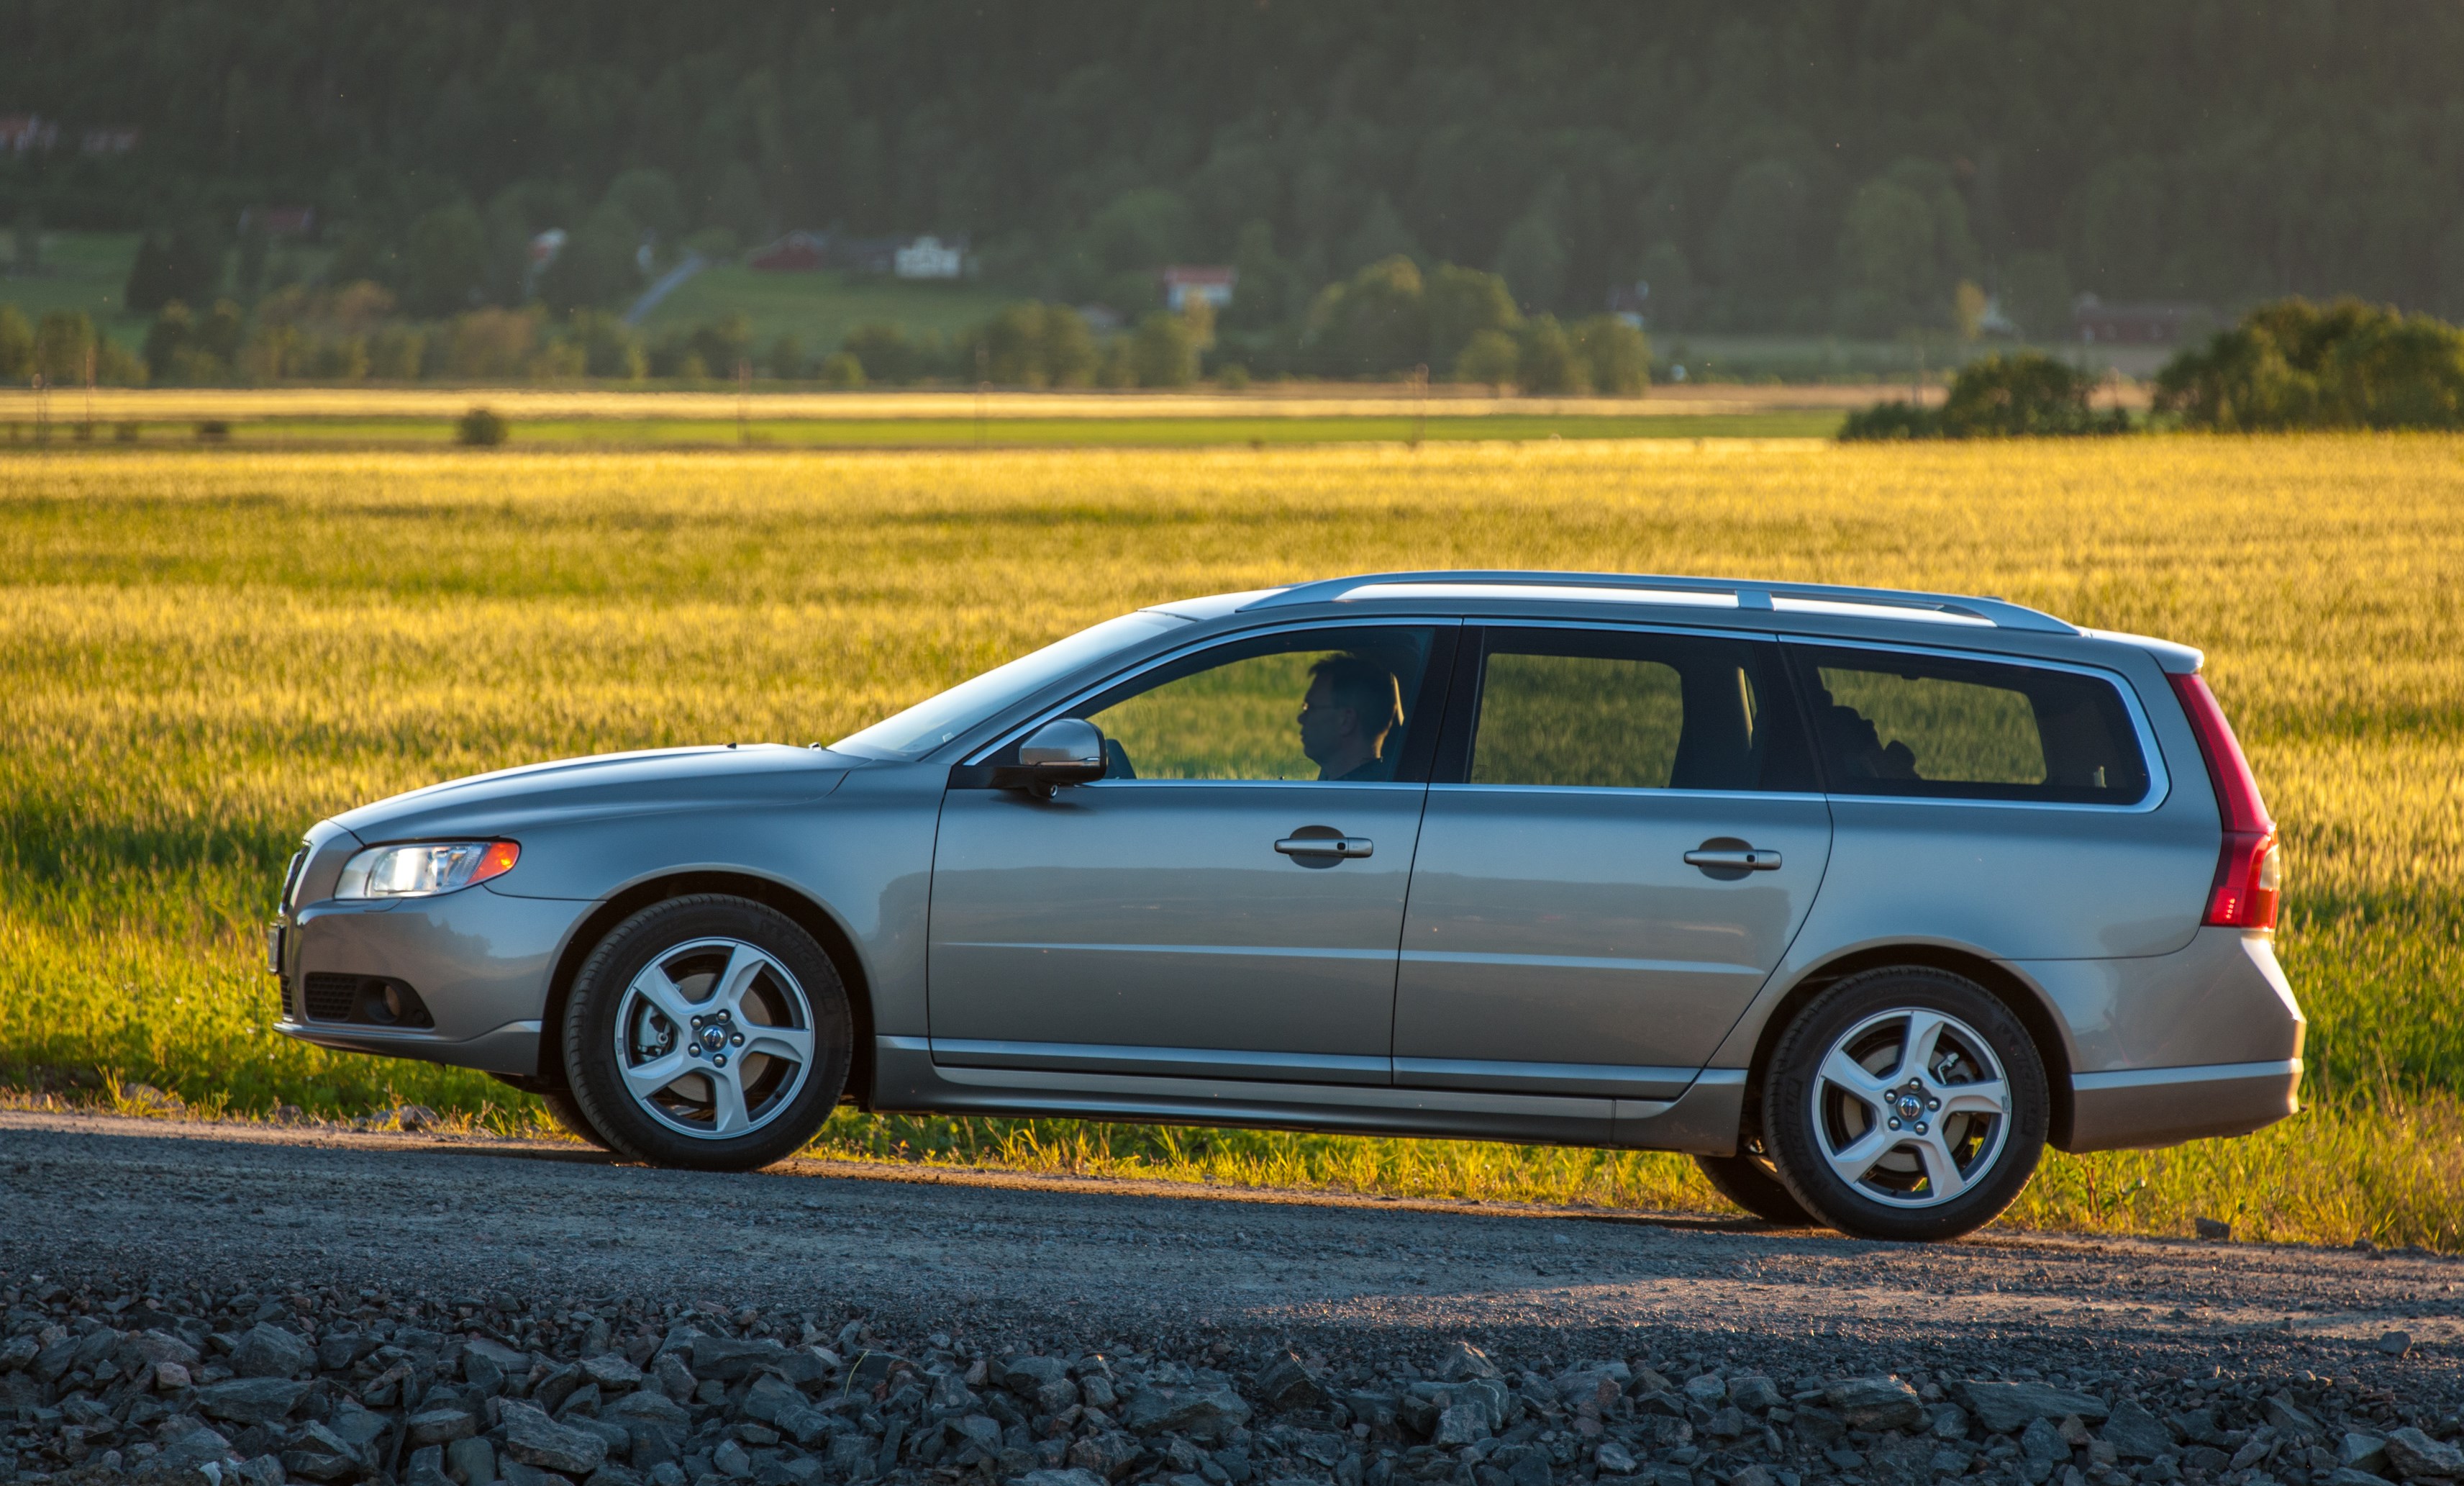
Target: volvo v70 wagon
[[1861, 898]]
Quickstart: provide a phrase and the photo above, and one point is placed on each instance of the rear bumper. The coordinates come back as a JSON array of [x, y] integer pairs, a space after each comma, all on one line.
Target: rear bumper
[[2164, 1106]]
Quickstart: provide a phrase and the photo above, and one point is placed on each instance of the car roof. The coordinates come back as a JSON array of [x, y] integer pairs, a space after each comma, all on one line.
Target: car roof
[[1816, 607]]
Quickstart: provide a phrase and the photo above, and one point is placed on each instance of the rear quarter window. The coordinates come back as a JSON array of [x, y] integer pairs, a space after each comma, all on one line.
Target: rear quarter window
[[1926, 726]]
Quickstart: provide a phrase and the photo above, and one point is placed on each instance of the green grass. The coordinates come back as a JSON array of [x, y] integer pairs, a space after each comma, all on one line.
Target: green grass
[[820, 308], [959, 432], [79, 271], [202, 653]]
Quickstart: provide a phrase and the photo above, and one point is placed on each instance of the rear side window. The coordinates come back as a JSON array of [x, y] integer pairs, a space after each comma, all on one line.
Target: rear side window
[[1926, 726], [1633, 710]]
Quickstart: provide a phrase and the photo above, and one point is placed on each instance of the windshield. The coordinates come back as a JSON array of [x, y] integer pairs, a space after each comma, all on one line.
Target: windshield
[[935, 720]]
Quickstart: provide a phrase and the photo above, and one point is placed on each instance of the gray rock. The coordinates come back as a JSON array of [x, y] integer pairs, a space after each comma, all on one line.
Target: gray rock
[[440, 1426], [18, 1352], [2415, 1456], [2395, 1343], [473, 1460], [272, 1352], [320, 1455], [514, 1473], [1614, 1458], [2211, 1228], [1463, 1361], [2199, 1426], [358, 1427], [1711, 1389], [53, 1362], [2288, 1418], [1950, 1422], [1201, 1413], [805, 1425], [1109, 1455], [2346, 1475], [1074, 1475], [619, 1475], [674, 1378], [851, 1457], [768, 1394], [2041, 1441], [1461, 1424], [427, 1468], [145, 1351], [650, 1406], [95, 1345], [534, 1439], [2135, 1433], [1289, 1384], [551, 1391], [611, 1371], [731, 1459], [2004, 1407], [250, 1400], [728, 1360], [192, 1447], [2363, 1453], [1754, 1392], [1874, 1404], [951, 1394]]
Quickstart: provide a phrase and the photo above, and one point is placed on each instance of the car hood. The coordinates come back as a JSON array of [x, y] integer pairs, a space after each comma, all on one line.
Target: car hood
[[604, 784]]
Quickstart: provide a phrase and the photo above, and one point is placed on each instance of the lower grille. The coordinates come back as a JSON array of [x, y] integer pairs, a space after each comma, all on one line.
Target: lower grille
[[331, 997], [290, 1004]]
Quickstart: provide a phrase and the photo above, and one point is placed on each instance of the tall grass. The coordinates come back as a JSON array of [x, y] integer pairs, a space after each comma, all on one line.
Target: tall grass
[[202, 653]]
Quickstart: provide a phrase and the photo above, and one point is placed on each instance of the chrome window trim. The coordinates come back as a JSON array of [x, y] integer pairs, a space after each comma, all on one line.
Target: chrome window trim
[[1008, 734], [2160, 777], [1628, 792]]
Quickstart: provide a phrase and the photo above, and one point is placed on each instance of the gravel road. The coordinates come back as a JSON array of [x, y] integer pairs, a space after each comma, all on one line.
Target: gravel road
[[1610, 1335]]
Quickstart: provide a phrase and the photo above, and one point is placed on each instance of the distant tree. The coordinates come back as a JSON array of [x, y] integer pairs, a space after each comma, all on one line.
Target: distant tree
[[255, 244], [184, 264], [648, 199], [735, 204], [2294, 365], [1164, 352], [1009, 341], [842, 371], [1532, 262], [394, 353], [1375, 323], [609, 348], [1490, 357], [1759, 243], [445, 261], [16, 346], [218, 331], [1268, 288], [1904, 244], [2036, 294], [885, 353], [1380, 235], [1545, 364], [1460, 304], [1141, 230], [1065, 347], [26, 242], [785, 358], [1616, 357], [173, 331], [491, 345], [2026, 394], [1967, 306], [61, 342], [598, 264], [1664, 269]]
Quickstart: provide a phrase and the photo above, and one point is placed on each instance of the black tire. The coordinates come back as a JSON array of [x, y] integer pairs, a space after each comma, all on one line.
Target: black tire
[[793, 981], [1869, 1016], [566, 1111], [1746, 1181]]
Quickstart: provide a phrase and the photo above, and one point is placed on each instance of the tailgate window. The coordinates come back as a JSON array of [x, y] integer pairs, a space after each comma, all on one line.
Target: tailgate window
[[1930, 726]]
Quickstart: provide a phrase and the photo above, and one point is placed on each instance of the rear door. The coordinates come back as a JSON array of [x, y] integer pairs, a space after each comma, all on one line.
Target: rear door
[[1624, 836]]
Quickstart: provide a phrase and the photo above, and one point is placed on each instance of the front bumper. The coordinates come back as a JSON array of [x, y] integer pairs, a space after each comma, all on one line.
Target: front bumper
[[480, 962]]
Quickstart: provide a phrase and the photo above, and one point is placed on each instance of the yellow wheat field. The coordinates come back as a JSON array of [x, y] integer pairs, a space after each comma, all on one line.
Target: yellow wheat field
[[202, 653]]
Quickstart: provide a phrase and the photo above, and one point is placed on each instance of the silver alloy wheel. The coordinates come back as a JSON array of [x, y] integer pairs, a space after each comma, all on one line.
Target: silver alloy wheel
[[1911, 1108], [714, 1039]]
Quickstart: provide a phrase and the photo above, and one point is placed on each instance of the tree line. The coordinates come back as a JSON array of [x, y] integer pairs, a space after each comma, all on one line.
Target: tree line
[[1758, 164]]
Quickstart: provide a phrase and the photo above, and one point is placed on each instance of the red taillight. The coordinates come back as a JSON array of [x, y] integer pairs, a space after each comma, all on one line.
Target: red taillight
[[2250, 871]]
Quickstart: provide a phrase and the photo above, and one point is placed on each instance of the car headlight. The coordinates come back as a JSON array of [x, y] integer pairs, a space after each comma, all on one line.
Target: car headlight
[[424, 868]]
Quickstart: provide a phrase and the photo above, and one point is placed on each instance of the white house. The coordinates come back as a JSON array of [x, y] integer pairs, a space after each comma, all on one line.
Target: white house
[[1208, 283], [928, 258]]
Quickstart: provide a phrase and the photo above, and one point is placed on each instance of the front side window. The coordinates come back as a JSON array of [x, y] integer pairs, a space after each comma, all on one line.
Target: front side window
[[1928, 727], [1620, 710], [1341, 704]]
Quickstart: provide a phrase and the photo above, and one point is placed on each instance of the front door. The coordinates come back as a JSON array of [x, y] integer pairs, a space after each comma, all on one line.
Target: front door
[[1228, 902], [1632, 840]]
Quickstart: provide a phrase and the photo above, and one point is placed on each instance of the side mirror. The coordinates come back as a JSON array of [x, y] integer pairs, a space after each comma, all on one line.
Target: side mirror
[[1064, 751]]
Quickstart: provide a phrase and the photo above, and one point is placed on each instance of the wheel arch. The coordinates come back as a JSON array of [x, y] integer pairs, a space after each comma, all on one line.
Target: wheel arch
[[803, 910], [2024, 1001]]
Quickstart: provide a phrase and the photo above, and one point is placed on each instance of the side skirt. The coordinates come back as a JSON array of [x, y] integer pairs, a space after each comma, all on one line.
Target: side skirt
[[1704, 1119]]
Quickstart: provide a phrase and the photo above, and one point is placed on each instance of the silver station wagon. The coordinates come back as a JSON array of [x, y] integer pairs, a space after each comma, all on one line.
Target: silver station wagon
[[1861, 898]]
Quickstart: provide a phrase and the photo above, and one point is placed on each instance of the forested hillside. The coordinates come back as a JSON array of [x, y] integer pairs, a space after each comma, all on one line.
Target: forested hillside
[[1820, 167]]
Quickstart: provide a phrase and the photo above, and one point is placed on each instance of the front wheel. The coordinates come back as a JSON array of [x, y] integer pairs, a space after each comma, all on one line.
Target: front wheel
[[1906, 1103], [707, 1032]]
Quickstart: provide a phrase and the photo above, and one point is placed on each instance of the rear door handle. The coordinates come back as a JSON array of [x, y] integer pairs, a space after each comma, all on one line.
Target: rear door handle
[[1750, 858], [1325, 846]]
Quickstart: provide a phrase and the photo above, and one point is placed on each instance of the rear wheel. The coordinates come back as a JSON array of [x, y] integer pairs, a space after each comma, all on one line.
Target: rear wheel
[[1747, 1180], [1906, 1103], [707, 1032]]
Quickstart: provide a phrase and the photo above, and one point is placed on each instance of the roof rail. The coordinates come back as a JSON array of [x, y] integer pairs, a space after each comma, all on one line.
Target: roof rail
[[1748, 594]]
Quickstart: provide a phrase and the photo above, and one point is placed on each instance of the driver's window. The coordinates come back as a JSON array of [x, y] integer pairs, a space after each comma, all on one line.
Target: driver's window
[[1323, 704]]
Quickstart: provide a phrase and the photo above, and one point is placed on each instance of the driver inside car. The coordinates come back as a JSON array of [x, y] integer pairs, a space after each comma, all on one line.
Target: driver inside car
[[1354, 704]]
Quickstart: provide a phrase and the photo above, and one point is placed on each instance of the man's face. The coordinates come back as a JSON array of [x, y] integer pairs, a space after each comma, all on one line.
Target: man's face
[[1322, 723]]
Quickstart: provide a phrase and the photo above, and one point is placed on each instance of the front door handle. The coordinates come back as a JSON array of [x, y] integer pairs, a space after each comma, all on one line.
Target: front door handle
[[1325, 846], [1747, 858]]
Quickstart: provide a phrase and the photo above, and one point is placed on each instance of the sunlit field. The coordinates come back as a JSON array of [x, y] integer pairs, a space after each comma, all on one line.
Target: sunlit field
[[202, 653]]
